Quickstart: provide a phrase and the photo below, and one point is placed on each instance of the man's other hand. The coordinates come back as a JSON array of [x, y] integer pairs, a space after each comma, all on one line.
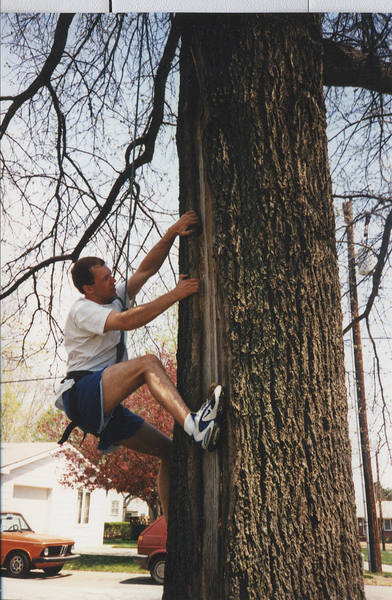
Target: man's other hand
[[186, 287]]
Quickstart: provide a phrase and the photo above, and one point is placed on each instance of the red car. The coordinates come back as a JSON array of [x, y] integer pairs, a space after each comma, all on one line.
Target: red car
[[152, 545], [22, 549]]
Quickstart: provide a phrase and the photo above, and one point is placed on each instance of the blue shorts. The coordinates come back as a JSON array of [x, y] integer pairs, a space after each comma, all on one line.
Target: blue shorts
[[117, 425]]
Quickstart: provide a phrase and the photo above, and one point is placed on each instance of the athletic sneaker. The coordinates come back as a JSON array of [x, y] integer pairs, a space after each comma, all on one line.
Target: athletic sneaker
[[208, 419]]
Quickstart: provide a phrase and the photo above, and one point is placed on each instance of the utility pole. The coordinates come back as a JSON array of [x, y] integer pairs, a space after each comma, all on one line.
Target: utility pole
[[374, 557], [380, 502]]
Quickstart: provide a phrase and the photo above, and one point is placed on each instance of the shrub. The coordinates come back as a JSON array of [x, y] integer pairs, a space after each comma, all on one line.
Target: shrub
[[137, 526], [117, 531], [125, 530]]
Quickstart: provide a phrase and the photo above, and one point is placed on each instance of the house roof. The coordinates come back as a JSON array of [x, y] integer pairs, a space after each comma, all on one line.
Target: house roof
[[13, 452], [14, 455], [386, 507]]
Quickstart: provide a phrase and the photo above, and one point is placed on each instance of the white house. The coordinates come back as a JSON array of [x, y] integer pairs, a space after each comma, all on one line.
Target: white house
[[30, 474], [115, 507]]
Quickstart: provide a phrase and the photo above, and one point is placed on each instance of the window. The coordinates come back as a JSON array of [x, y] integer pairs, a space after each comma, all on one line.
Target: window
[[80, 504], [387, 524], [86, 511], [362, 527], [115, 508], [83, 506]]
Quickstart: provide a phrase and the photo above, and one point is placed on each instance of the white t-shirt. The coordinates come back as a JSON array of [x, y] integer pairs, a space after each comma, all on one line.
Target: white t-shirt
[[89, 348]]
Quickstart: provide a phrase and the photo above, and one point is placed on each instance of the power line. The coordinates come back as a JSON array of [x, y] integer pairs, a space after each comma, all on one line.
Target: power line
[[346, 341], [27, 380], [377, 338]]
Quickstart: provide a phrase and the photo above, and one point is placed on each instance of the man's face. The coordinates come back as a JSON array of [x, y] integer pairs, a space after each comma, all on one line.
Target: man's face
[[103, 289]]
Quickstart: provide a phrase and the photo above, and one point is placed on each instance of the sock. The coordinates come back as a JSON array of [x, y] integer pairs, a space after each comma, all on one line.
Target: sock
[[189, 424]]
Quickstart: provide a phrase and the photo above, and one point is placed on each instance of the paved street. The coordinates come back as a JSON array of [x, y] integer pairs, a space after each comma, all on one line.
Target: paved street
[[88, 585], [375, 592], [81, 585]]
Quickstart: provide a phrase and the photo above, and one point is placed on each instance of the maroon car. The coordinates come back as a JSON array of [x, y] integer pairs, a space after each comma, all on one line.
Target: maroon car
[[151, 545]]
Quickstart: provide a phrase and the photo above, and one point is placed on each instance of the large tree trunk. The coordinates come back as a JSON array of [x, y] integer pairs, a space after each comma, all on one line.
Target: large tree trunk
[[271, 515]]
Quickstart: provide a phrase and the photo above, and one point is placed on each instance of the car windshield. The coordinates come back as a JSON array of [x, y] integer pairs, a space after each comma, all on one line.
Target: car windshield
[[13, 522]]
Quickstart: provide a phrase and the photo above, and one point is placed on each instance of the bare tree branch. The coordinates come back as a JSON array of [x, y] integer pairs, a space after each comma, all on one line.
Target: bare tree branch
[[60, 39], [345, 66], [147, 140], [385, 411], [382, 257], [31, 272]]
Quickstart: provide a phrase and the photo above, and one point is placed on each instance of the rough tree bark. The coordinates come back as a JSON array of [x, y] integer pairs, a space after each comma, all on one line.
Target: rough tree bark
[[271, 514]]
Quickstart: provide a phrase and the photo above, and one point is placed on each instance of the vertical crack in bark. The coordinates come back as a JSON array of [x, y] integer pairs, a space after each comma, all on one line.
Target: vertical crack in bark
[[209, 352]]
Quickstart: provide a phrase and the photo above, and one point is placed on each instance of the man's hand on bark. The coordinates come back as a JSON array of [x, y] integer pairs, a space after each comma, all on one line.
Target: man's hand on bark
[[186, 287], [187, 224]]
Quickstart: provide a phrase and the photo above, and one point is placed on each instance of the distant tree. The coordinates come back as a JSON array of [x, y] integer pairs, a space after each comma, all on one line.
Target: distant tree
[[132, 474], [386, 493], [50, 425], [11, 430], [22, 403]]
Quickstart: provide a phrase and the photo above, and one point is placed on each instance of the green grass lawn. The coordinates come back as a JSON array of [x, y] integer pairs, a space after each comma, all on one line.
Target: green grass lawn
[[90, 562], [384, 579], [123, 564], [386, 556]]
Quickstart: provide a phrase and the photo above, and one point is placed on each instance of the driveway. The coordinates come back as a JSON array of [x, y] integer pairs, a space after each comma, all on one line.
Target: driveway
[[89, 585]]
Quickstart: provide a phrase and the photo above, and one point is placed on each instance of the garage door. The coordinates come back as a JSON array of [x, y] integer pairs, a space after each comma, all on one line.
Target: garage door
[[34, 504]]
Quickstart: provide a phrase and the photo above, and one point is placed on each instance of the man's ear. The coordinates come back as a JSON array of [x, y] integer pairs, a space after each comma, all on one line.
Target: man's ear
[[87, 289]]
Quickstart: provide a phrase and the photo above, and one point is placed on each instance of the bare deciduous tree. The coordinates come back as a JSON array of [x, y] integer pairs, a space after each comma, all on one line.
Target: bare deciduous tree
[[251, 138]]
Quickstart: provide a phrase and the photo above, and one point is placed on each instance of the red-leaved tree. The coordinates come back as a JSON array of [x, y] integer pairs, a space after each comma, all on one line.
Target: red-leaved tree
[[130, 473]]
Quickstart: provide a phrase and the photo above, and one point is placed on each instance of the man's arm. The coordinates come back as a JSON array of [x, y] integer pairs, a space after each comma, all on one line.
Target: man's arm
[[153, 261], [141, 315]]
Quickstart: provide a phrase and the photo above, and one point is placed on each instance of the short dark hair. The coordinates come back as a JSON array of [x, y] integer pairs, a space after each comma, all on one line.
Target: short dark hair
[[81, 273]]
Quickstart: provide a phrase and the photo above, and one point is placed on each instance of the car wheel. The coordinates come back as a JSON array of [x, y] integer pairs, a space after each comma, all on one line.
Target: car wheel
[[157, 569], [52, 570], [18, 565]]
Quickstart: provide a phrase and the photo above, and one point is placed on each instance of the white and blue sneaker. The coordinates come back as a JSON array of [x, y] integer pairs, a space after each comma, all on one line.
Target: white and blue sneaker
[[208, 418]]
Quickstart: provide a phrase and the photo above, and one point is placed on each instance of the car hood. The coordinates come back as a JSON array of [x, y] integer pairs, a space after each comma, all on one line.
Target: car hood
[[38, 538]]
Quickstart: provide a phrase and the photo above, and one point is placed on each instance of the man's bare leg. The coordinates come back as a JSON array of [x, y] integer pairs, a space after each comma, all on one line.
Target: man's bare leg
[[122, 379], [149, 440]]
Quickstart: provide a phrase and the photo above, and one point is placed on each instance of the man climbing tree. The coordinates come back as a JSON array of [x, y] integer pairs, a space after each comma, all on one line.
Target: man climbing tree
[[271, 514], [99, 375]]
